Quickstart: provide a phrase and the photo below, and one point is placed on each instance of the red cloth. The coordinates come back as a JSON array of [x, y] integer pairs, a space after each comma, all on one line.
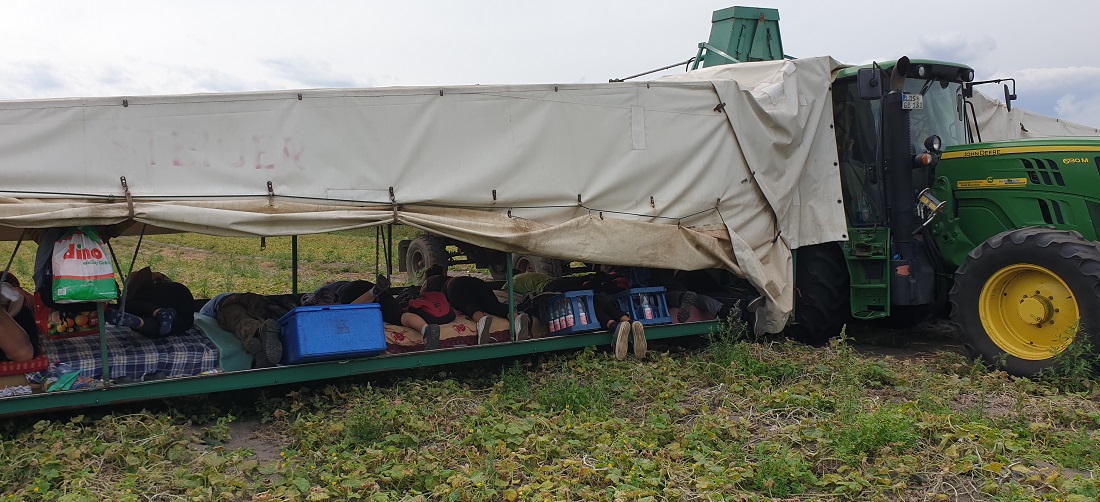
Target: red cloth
[[431, 304]]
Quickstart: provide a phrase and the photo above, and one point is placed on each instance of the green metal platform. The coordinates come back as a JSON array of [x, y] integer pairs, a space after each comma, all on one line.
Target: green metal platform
[[229, 381]]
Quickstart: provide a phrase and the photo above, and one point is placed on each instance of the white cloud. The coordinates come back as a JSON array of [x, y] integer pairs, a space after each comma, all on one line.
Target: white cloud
[[1082, 110], [956, 46], [1057, 78]]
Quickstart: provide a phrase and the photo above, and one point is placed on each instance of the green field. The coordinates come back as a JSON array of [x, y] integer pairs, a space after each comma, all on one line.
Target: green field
[[719, 418]]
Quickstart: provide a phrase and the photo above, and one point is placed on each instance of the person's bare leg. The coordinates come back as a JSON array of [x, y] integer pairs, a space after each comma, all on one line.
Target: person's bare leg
[[14, 342], [430, 331]]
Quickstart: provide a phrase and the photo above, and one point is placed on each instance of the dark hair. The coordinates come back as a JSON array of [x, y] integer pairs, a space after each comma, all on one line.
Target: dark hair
[[435, 283], [435, 270]]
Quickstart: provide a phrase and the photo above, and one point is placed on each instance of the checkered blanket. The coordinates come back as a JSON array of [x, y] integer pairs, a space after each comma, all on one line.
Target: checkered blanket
[[136, 357]]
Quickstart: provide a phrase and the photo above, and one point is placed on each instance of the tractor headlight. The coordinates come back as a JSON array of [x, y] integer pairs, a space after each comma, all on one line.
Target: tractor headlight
[[933, 143]]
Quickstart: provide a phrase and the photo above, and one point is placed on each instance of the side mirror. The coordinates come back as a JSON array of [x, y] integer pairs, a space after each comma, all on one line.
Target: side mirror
[[1009, 97], [869, 81]]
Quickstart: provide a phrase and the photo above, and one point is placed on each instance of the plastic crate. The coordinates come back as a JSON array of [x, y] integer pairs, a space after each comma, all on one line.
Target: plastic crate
[[646, 305], [329, 332], [570, 312]]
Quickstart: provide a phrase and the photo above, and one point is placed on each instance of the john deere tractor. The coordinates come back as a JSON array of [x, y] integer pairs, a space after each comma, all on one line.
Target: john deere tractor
[[1004, 234]]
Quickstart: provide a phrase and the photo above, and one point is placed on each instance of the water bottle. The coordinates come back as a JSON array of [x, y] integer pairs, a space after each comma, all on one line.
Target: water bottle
[[647, 307], [550, 318], [555, 325], [568, 314], [582, 313]]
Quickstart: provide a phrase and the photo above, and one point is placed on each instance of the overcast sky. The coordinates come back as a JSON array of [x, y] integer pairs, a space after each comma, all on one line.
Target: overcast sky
[[113, 48]]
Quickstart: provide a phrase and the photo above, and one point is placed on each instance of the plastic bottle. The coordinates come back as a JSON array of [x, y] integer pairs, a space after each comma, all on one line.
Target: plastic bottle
[[568, 314], [555, 324], [647, 307], [582, 312]]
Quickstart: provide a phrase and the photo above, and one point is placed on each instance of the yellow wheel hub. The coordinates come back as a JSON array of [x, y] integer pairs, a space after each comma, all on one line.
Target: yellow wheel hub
[[1029, 312]]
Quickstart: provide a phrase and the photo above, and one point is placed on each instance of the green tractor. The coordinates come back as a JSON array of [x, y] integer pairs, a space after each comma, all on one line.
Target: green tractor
[[1003, 233]]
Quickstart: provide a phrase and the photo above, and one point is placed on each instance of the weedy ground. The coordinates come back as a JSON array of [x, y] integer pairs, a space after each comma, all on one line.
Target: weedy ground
[[721, 418]]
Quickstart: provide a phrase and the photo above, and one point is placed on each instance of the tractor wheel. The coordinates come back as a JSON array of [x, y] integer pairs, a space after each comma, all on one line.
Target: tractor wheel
[[528, 263], [1026, 296], [821, 302], [424, 252]]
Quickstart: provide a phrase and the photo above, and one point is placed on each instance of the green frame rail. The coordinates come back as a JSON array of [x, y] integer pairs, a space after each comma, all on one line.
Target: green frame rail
[[280, 375]]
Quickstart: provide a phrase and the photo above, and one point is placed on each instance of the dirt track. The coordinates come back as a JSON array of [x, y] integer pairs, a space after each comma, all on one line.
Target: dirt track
[[931, 336]]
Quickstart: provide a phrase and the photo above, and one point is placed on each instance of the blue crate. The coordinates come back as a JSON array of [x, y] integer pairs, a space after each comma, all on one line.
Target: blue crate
[[331, 332], [633, 302], [557, 310]]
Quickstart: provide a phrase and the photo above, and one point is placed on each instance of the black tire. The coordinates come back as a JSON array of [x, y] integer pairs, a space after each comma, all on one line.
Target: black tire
[[498, 271], [424, 252], [821, 302], [1018, 297], [529, 263]]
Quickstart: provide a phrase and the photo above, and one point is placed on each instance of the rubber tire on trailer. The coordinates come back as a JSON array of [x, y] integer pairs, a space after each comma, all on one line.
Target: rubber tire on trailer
[[821, 302], [1003, 283], [529, 263], [498, 271], [424, 252]]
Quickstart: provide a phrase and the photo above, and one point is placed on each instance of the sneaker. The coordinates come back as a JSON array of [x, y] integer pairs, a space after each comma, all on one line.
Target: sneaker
[[483, 329], [622, 335], [259, 360], [523, 326], [640, 344], [269, 340], [381, 285], [687, 300], [431, 337], [252, 346]]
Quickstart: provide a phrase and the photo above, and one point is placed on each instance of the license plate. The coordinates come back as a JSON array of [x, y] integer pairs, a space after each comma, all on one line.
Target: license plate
[[912, 102]]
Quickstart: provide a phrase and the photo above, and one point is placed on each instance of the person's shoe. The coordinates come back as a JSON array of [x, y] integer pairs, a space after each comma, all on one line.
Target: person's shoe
[[269, 340], [261, 361], [687, 300], [640, 344], [523, 326], [165, 317], [252, 346], [381, 285], [431, 337], [622, 336], [483, 325]]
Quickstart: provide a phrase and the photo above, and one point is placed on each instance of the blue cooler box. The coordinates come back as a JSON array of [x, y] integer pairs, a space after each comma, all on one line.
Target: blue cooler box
[[328, 332]]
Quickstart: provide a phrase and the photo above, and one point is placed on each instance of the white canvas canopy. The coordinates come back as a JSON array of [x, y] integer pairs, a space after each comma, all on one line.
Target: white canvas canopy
[[997, 123], [722, 168]]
